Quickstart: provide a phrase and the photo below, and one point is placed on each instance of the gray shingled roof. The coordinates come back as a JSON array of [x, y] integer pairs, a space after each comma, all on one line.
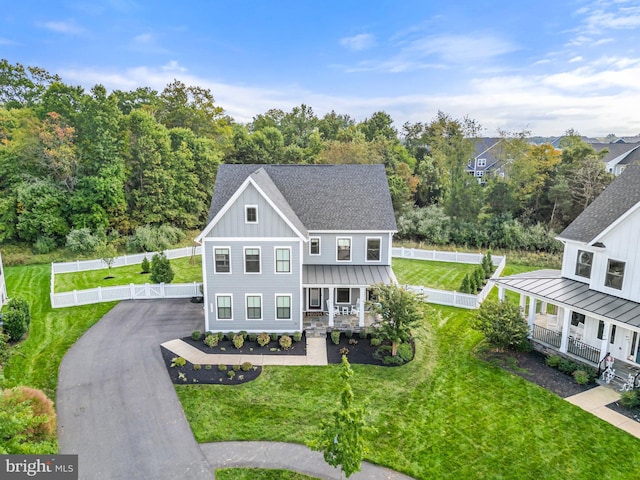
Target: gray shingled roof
[[615, 150], [550, 285], [323, 197], [621, 195]]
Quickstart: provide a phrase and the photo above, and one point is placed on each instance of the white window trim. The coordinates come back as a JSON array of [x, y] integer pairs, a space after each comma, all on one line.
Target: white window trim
[[244, 260], [246, 210], [366, 249], [319, 247], [350, 249], [217, 247], [290, 306], [336, 296], [606, 274], [482, 162], [275, 260], [230, 295], [246, 307], [479, 173], [319, 306]]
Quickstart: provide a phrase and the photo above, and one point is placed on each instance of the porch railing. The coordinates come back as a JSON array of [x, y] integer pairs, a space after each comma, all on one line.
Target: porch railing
[[550, 337], [582, 350]]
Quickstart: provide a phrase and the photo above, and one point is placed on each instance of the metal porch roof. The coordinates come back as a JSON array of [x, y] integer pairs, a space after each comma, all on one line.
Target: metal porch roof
[[346, 275], [550, 285]]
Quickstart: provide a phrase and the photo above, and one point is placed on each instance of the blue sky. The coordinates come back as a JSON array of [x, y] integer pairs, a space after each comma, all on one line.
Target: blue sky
[[545, 66]]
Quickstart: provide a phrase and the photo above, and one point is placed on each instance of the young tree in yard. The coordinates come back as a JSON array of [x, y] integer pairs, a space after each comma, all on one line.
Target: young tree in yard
[[161, 271], [108, 255], [399, 310], [341, 439], [503, 325]]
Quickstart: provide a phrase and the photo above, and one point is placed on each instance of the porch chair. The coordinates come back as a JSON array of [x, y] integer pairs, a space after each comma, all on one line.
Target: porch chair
[[355, 309], [336, 309]]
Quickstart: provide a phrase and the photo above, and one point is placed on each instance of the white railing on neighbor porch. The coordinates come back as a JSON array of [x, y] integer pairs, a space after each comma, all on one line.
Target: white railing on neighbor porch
[[125, 292], [447, 297], [137, 258]]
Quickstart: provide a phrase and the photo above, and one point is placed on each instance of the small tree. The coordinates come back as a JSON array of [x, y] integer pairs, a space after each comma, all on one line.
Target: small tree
[[503, 325], [17, 319], [399, 310], [465, 286], [146, 265], [161, 271], [341, 439], [108, 255], [487, 264], [479, 277]]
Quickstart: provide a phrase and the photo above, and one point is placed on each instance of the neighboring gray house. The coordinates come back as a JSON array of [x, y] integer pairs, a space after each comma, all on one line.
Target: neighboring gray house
[[3, 287], [487, 157], [619, 155], [285, 242]]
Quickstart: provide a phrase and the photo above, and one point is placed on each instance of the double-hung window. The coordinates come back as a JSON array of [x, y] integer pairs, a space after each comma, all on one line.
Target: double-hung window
[[283, 260], [223, 307], [222, 260], [254, 307], [344, 249], [283, 307], [251, 260], [583, 264], [615, 274], [373, 249], [250, 214], [314, 246]]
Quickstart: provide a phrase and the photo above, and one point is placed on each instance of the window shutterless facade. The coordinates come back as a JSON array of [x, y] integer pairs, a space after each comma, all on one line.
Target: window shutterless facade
[[223, 307], [254, 307], [314, 246], [250, 214], [283, 260], [615, 274], [252, 260], [222, 260], [343, 245], [373, 249], [583, 263], [283, 307]]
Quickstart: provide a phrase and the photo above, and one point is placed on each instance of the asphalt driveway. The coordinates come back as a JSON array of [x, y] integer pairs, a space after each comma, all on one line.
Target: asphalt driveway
[[117, 408]]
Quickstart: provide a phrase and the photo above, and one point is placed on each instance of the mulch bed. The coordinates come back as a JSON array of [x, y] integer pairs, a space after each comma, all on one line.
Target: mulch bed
[[531, 366], [206, 375], [360, 353], [632, 413], [249, 347]]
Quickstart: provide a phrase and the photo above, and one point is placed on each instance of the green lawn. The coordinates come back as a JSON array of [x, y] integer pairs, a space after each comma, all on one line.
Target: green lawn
[[259, 474], [438, 275], [35, 361], [186, 270], [444, 415]]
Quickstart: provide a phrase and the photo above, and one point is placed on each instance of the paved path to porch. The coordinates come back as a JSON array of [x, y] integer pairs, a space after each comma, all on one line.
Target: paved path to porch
[[316, 355], [595, 401]]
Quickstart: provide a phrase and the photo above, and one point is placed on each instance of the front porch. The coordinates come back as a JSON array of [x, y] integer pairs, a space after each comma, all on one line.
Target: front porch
[[317, 323]]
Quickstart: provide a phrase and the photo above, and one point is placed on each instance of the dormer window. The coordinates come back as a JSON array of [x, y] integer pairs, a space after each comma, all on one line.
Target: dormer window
[[583, 265], [250, 214], [615, 274], [482, 162]]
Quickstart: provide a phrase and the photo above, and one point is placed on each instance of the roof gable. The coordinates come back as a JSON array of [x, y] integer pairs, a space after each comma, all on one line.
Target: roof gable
[[322, 197], [614, 204]]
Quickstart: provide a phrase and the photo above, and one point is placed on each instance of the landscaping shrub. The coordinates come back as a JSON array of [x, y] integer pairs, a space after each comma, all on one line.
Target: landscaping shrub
[[487, 264], [363, 333], [211, 340], [479, 277], [222, 367], [178, 362], [465, 286], [503, 325], [335, 337], [145, 266], [27, 422], [553, 360], [197, 366], [246, 366], [375, 342], [285, 342], [274, 337], [161, 271], [631, 398], [238, 341], [297, 336], [41, 406], [81, 240], [236, 368], [253, 337], [208, 367], [220, 336], [348, 333], [17, 319], [43, 245], [196, 335], [5, 350], [244, 334], [230, 336], [231, 374], [353, 341], [263, 339], [153, 239], [581, 377], [568, 366], [344, 351], [405, 351]]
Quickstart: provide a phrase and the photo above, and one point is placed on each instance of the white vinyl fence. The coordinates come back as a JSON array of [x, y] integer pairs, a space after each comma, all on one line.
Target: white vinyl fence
[[447, 297], [125, 292]]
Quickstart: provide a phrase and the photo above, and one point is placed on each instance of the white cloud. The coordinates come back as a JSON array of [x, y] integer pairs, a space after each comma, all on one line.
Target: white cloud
[[147, 43], [68, 27], [359, 42], [144, 38], [576, 59]]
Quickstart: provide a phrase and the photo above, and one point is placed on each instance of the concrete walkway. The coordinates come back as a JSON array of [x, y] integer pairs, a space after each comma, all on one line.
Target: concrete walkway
[[316, 355], [595, 400]]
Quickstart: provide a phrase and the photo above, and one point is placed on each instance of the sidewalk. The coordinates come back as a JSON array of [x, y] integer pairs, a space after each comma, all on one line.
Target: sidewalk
[[316, 355], [595, 400]]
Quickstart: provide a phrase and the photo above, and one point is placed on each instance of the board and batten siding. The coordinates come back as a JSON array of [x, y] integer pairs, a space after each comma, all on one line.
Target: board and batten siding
[[267, 283], [621, 243], [328, 248], [232, 223]]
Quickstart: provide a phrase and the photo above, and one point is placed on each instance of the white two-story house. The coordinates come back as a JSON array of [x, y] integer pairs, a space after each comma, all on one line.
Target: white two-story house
[[288, 241], [592, 307]]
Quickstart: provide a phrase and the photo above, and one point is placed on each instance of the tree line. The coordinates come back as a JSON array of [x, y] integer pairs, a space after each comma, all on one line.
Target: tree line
[[110, 163]]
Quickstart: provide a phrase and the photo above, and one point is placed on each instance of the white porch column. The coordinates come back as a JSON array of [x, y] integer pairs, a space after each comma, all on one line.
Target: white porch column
[[532, 313], [543, 307], [523, 302], [501, 293], [606, 332], [330, 306], [566, 325], [361, 307]]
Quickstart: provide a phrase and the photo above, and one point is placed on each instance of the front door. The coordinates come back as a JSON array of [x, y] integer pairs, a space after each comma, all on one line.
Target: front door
[[315, 298]]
